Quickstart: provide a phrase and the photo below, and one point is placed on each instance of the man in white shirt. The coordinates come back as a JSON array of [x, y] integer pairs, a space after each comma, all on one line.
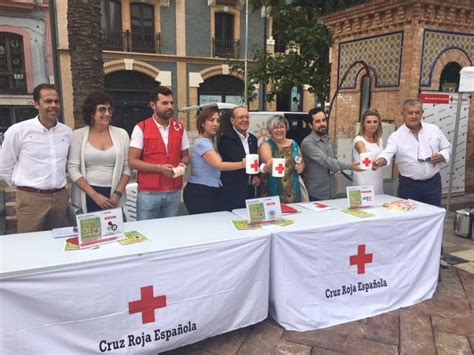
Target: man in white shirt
[[33, 159], [420, 148], [158, 146]]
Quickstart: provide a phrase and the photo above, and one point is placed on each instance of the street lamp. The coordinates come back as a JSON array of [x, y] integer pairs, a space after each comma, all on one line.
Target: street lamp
[[18, 76]]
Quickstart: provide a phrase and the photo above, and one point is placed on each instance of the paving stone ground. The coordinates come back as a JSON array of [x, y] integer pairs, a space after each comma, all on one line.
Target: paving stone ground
[[442, 325]]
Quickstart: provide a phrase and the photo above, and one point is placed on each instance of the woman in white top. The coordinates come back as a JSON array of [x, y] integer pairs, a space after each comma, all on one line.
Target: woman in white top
[[369, 140], [98, 158]]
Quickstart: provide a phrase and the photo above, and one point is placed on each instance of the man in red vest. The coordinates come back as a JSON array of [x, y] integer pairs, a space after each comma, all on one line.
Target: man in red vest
[[158, 146]]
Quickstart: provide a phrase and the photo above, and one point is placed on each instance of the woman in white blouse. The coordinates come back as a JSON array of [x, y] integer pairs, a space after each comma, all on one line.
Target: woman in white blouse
[[369, 140], [98, 158]]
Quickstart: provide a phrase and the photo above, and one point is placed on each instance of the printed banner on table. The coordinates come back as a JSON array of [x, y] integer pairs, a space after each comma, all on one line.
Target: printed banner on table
[[353, 271], [143, 304]]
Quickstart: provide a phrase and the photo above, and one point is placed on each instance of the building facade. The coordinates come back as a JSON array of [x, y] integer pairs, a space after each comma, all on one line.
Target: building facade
[[187, 46], [409, 47], [25, 57]]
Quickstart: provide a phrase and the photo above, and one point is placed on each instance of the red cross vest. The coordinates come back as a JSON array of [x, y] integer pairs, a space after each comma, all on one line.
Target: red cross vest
[[154, 151]]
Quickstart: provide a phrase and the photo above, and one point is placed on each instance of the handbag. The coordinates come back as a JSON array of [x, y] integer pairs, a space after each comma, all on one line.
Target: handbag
[[71, 213], [303, 190]]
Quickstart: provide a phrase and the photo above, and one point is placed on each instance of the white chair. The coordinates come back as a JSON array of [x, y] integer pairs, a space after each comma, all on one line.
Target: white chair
[[130, 207]]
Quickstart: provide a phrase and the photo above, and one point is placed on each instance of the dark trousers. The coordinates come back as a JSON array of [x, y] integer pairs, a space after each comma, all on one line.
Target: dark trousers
[[90, 203], [201, 198], [426, 191]]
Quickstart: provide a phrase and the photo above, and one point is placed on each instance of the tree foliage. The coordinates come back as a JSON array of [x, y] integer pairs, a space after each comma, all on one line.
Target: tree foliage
[[297, 23]]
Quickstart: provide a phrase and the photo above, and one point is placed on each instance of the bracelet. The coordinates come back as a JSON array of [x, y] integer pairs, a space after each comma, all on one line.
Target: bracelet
[[118, 193]]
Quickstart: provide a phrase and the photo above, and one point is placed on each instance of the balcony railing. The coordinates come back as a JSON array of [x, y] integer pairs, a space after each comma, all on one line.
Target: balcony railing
[[127, 41], [228, 48], [113, 40]]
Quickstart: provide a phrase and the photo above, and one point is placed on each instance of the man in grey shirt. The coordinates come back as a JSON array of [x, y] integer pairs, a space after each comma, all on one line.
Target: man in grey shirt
[[321, 163]]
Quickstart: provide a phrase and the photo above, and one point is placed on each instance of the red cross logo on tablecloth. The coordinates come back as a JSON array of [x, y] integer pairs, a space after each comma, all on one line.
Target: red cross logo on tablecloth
[[366, 161], [280, 168], [255, 165], [147, 305], [361, 259]]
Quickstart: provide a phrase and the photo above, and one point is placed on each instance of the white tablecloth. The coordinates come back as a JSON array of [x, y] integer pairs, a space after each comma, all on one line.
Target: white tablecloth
[[198, 275], [312, 282]]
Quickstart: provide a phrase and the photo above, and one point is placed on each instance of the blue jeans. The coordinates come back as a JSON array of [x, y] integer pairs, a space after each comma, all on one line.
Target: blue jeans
[[151, 205]]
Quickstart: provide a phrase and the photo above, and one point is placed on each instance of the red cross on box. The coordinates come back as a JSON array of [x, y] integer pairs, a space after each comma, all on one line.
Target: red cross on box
[[280, 168], [361, 259], [147, 305], [366, 161], [255, 165]]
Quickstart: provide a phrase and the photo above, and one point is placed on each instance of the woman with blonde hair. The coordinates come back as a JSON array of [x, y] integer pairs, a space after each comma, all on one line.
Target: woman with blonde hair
[[369, 141]]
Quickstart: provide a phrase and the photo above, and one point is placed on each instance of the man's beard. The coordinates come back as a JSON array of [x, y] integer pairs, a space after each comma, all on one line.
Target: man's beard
[[322, 131]]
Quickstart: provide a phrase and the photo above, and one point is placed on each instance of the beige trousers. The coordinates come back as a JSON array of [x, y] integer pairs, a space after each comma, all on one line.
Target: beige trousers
[[37, 212]]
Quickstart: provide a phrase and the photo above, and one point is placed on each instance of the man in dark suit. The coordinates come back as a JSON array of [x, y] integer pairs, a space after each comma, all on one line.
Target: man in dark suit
[[234, 143]]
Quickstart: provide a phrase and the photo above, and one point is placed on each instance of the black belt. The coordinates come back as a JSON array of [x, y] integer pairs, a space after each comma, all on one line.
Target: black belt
[[420, 181], [38, 191]]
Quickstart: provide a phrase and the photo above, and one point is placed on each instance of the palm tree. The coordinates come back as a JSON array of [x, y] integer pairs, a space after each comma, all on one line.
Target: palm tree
[[85, 48]]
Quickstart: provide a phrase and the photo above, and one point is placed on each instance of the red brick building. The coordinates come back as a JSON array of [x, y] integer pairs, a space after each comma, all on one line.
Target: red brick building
[[407, 44]]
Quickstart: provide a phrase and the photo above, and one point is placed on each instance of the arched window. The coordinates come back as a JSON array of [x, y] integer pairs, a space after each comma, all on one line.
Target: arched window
[[221, 88], [130, 93], [12, 64], [449, 81]]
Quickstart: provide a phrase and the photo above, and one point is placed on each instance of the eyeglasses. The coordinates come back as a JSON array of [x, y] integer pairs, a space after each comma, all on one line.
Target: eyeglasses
[[103, 109], [424, 160]]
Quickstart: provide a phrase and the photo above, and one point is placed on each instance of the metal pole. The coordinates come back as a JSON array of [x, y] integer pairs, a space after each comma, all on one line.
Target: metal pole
[[453, 154], [263, 85], [246, 52]]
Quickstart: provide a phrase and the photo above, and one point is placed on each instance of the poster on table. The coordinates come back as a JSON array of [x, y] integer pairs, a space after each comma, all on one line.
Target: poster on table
[[99, 227], [265, 209], [440, 109], [360, 196]]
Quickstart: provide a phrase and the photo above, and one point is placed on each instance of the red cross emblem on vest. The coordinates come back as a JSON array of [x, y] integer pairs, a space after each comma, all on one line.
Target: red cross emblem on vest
[[176, 125], [280, 168], [366, 161], [361, 259], [147, 304]]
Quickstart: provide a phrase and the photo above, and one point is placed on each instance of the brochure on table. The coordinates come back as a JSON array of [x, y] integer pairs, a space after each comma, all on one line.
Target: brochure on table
[[265, 209], [315, 206], [360, 196], [99, 227]]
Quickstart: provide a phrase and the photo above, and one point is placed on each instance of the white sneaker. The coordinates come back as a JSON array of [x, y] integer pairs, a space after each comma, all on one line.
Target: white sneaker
[[443, 263]]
